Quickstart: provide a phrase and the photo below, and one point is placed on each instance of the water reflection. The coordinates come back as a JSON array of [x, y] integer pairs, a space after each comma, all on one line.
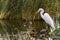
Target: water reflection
[[20, 30]]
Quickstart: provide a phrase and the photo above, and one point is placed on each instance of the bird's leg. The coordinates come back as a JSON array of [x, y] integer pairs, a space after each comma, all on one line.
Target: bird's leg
[[48, 29]]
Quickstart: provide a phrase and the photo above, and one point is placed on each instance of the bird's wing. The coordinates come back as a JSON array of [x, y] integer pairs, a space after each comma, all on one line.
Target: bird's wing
[[48, 19]]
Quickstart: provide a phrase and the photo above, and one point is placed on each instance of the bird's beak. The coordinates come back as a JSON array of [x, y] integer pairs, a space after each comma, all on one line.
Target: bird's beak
[[36, 12]]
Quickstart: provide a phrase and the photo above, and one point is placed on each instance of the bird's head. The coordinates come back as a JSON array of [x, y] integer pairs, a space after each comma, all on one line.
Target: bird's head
[[40, 9]]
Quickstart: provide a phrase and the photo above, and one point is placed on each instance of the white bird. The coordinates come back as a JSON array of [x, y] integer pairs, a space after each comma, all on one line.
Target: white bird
[[46, 17]]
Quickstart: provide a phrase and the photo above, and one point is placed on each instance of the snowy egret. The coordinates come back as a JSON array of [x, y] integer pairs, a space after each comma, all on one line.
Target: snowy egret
[[46, 17]]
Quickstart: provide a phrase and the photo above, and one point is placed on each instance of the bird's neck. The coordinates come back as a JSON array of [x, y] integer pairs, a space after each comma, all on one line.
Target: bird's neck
[[42, 13]]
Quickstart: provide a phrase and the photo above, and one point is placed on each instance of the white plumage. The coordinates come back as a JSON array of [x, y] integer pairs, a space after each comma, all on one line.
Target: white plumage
[[46, 17]]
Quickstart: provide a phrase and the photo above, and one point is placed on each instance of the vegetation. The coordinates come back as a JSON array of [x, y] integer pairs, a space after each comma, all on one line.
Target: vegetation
[[25, 9], [56, 34]]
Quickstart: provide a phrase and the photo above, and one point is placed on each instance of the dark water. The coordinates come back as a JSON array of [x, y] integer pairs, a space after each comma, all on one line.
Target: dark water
[[21, 30]]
